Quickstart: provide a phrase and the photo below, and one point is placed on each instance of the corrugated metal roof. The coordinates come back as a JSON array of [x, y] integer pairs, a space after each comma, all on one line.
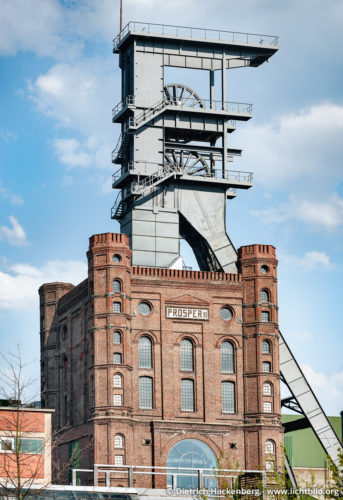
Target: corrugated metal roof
[[302, 446]]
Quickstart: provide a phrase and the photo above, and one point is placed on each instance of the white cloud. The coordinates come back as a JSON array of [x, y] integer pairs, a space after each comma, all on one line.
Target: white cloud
[[327, 387], [13, 198], [19, 283], [69, 152], [300, 152], [326, 214], [80, 97], [15, 235], [311, 261]]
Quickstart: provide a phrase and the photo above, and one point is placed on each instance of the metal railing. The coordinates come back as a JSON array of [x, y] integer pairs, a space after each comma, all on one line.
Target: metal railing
[[202, 477], [129, 101], [135, 167], [191, 32], [192, 103]]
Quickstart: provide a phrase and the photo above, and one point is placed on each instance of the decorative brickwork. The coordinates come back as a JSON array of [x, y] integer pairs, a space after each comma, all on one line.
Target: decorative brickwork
[[93, 382]]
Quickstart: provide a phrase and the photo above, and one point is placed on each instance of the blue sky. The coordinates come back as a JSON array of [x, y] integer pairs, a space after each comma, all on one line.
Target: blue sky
[[59, 81]]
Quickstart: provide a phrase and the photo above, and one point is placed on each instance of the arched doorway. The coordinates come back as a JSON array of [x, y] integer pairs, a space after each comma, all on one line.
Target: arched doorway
[[191, 454]]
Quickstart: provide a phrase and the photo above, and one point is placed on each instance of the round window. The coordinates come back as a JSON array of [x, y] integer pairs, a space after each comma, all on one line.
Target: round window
[[116, 258], [144, 308], [264, 269], [226, 313]]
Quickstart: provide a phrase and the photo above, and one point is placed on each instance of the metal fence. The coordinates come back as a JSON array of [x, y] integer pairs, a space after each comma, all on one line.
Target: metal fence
[[191, 32]]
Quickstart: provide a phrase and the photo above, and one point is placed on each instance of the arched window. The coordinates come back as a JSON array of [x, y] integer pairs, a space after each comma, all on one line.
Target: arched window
[[117, 380], [116, 287], [118, 441], [191, 453], [227, 357], [186, 355], [187, 394], [270, 447], [228, 397], [267, 389], [116, 338], [145, 352], [270, 454], [264, 296], [145, 393], [265, 347]]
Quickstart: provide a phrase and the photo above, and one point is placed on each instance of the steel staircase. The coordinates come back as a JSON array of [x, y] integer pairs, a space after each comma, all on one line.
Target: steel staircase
[[118, 154], [149, 114]]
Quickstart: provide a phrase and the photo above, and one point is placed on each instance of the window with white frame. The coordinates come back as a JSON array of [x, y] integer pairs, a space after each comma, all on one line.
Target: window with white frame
[[187, 395], [117, 338], [264, 296], [267, 389], [266, 367], [117, 400], [116, 307], [269, 447], [186, 355], [265, 347], [116, 286], [118, 460], [117, 380], [145, 393], [227, 357], [117, 358], [118, 441], [144, 352], [228, 397], [267, 407], [265, 317]]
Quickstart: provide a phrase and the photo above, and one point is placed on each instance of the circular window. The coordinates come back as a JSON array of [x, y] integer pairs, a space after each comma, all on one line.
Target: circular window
[[264, 269], [226, 313], [144, 308], [116, 258]]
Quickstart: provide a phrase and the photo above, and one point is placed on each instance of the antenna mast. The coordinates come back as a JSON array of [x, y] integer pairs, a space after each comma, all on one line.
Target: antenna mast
[[121, 15]]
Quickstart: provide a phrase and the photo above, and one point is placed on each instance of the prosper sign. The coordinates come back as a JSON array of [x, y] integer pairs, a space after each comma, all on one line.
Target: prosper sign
[[186, 313]]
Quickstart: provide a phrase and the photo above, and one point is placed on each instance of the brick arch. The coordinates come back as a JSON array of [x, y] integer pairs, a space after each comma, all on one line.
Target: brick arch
[[187, 435], [228, 338], [189, 336], [144, 333]]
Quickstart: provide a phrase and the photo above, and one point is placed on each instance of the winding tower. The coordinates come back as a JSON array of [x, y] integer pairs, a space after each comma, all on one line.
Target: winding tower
[[174, 149]]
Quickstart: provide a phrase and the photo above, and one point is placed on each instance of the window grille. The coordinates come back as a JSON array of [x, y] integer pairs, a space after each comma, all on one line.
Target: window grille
[[266, 367], [267, 407], [186, 355], [267, 389], [116, 338], [187, 395], [117, 400], [117, 358], [265, 316], [145, 393], [118, 441], [116, 287], [265, 347], [117, 380], [227, 357], [228, 397], [119, 460], [270, 447], [116, 307], [144, 353]]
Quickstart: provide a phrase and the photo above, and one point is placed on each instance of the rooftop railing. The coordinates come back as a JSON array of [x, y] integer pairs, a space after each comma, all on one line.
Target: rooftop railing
[[190, 32]]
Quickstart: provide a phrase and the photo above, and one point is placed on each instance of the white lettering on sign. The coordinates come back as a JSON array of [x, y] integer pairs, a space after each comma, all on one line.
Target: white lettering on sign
[[186, 313]]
